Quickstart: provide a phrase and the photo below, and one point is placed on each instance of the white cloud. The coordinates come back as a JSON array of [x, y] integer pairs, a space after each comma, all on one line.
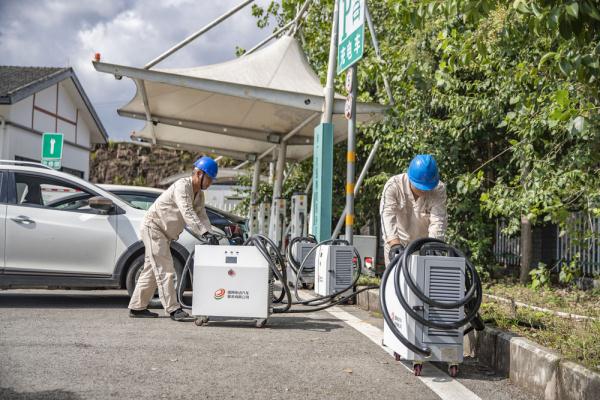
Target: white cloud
[[131, 32]]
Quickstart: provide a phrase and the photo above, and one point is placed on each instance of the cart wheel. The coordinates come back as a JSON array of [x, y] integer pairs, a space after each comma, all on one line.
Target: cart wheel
[[260, 323], [417, 368], [453, 370], [310, 286], [204, 319], [397, 356], [198, 322]]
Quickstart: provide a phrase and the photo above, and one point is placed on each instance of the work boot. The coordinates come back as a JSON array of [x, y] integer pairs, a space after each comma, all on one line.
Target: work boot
[[142, 314], [179, 315]]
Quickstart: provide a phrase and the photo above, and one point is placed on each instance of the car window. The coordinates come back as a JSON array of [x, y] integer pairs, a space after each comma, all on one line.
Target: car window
[[140, 201], [3, 194], [216, 219], [46, 192]]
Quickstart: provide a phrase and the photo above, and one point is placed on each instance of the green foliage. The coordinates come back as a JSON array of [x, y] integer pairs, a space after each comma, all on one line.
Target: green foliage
[[503, 94], [540, 277], [570, 271]]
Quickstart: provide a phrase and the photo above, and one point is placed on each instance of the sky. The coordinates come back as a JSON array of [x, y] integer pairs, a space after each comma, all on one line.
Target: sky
[[60, 33]]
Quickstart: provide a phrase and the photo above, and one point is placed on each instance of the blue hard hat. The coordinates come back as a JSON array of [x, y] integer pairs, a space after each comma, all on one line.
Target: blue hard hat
[[208, 166], [423, 172]]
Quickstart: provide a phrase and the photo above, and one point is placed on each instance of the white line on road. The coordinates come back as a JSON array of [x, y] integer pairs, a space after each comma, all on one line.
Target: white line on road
[[438, 381]]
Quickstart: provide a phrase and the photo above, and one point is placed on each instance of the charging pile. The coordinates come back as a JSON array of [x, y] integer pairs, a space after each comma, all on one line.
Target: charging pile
[[251, 281], [433, 294]]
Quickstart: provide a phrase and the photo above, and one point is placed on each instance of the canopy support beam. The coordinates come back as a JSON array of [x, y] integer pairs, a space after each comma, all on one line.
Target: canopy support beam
[[301, 101], [215, 151], [281, 153], [147, 111], [290, 134], [278, 31], [261, 136], [386, 84], [197, 34]]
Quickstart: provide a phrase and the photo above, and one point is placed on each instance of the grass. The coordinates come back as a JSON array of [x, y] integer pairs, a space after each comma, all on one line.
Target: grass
[[568, 300], [578, 341]]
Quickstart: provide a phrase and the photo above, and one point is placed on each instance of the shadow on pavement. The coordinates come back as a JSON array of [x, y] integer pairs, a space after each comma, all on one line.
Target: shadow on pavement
[[62, 300], [10, 394], [280, 323]]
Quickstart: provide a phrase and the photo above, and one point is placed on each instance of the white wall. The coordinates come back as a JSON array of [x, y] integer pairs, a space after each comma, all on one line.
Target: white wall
[[29, 145], [46, 99], [66, 108], [83, 132], [20, 113], [72, 122]]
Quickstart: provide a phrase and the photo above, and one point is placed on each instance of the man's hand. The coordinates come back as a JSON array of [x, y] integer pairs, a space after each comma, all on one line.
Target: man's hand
[[395, 250]]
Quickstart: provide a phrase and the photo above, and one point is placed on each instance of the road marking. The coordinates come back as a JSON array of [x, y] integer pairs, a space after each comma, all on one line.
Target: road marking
[[438, 381]]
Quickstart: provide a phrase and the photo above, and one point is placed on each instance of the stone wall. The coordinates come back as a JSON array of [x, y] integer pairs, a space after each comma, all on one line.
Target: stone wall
[[130, 163]]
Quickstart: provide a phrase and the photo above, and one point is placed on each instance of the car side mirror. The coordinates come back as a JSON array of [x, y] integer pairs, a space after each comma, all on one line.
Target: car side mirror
[[101, 204]]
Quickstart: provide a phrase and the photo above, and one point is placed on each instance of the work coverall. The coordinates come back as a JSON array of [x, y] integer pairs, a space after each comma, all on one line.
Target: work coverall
[[407, 219], [164, 221]]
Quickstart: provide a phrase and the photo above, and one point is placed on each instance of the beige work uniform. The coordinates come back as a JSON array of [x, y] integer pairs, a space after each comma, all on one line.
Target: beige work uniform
[[164, 221], [407, 219]]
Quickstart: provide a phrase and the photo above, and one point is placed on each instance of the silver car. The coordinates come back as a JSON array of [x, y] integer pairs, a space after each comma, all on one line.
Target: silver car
[[57, 230]]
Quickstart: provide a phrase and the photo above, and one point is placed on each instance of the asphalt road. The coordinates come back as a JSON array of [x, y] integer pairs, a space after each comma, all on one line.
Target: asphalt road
[[82, 345]]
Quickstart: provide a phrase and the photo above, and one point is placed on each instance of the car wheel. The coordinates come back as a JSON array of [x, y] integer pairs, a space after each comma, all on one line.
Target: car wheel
[[134, 271]]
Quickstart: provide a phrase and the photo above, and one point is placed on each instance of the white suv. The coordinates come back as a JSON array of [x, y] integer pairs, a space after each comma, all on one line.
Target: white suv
[[57, 230]]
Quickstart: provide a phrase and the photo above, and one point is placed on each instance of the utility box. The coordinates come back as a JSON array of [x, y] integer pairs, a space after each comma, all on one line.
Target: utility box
[[333, 269], [231, 281], [299, 252], [441, 279], [367, 248]]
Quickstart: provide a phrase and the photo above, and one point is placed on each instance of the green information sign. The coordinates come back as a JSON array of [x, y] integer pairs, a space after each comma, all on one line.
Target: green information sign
[[351, 35], [52, 148]]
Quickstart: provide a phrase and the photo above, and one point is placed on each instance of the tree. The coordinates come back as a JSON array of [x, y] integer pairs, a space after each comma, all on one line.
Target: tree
[[505, 96]]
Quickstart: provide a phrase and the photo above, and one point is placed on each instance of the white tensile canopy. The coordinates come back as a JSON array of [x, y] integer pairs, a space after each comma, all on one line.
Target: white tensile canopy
[[240, 108]]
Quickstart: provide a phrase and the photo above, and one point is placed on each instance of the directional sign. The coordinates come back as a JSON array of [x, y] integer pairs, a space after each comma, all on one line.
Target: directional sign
[[351, 34], [52, 146]]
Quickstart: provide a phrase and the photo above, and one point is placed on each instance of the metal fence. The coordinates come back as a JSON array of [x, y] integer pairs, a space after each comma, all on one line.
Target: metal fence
[[581, 244], [507, 248]]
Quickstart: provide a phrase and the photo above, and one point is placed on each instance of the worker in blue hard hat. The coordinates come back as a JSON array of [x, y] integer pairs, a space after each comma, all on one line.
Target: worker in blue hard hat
[[181, 205], [413, 206]]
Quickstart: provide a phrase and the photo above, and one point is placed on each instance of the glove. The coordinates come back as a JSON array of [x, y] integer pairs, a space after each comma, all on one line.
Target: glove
[[210, 238], [395, 250]]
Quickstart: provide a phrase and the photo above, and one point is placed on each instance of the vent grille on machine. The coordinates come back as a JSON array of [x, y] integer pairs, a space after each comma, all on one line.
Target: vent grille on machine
[[310, 263], [444, 286], [343, 266]]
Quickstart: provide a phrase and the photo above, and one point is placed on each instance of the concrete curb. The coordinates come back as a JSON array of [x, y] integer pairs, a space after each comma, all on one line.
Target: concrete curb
[[534, 368]]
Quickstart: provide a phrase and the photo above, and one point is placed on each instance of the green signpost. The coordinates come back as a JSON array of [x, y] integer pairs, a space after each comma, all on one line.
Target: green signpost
[[322, 181], [52, 149], [351, 36]]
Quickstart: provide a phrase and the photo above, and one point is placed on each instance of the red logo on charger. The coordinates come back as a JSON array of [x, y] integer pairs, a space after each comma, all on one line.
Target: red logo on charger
[[219, 294]]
